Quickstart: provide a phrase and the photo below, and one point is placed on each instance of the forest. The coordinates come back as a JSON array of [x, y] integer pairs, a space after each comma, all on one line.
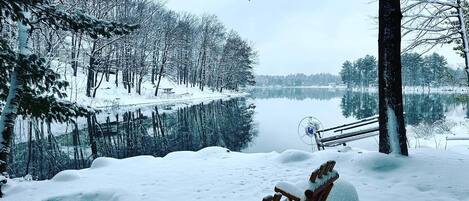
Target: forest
[[196, 51], [300, 79], [430, 70]]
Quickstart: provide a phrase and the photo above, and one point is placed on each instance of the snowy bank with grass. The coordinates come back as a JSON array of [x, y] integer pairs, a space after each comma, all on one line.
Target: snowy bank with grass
[[218, 174]]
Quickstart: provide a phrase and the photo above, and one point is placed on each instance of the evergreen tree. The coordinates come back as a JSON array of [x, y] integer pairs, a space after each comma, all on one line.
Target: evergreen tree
[[368, 67], [412, 64], [435, 66], [346, 73]]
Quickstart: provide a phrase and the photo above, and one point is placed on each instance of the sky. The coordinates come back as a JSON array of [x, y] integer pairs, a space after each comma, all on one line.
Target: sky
[[301, 36]]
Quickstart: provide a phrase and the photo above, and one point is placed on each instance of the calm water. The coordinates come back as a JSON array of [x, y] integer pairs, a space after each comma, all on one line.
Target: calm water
[[264, 122]]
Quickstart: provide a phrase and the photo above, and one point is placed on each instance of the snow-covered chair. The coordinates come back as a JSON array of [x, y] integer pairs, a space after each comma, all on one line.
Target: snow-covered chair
[[317, 188]]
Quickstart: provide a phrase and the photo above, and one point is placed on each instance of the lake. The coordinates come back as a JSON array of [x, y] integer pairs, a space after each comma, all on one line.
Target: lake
[[265, 121]]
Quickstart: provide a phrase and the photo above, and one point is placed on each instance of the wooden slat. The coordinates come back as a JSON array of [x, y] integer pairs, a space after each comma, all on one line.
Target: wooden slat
[[314, 176], [331, 167], [311, 193], [277, 197], [322, 170], [287, 194]]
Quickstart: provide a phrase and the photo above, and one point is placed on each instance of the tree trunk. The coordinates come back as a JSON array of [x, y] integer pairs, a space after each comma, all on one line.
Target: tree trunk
[[392, 133], [160, 74], [90, 82], [10, 109]]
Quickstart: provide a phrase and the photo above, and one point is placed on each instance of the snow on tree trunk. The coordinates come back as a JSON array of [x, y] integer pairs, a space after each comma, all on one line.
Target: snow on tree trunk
[[463, 32], [10, 110], [392, 133]]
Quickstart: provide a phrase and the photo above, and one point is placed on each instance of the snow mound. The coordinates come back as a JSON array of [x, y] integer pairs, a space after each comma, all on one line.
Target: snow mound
[[292, 156], [343, 191], [102, 162], [213, 152], [180, 155], [66, 176], [380, 162], [89, 196], [208, 152]]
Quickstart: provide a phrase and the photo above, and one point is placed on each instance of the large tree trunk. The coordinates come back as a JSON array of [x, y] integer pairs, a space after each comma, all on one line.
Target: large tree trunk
[[392, 133], [10, 110]]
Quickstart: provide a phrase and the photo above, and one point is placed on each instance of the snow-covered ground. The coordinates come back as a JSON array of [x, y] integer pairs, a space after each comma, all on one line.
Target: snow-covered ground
[[217, 174], [108, 95]]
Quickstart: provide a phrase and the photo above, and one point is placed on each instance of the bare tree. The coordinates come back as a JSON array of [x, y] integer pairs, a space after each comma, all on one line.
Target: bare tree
[[430, 23]]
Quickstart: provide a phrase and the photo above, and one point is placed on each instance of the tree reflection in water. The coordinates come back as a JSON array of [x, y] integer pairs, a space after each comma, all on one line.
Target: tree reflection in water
[[424, 108], [146, 131]]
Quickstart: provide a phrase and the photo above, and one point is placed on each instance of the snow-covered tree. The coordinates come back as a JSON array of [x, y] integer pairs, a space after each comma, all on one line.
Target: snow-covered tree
[[28, 86], [431, 23]]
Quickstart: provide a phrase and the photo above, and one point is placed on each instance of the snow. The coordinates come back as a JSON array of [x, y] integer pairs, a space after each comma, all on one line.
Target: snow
[[392, 131], [216, 173], [110, 96]]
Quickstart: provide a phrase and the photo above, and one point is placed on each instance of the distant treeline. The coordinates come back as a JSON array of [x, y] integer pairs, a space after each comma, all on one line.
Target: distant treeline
[[422, 71], [322, 79]]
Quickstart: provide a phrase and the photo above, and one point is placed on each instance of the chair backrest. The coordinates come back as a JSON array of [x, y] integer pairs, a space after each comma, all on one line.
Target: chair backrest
[[321, 182]]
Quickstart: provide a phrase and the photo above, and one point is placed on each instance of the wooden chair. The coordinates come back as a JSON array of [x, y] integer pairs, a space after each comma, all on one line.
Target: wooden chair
[[321, 182]]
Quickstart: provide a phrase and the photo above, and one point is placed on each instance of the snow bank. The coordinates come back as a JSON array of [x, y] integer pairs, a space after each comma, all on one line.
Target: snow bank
[[214, 174], [108, 95]]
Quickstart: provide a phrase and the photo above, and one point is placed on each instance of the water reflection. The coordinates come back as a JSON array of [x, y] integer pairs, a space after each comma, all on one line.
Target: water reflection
[[359, 104], [140, 132], [421, 108]]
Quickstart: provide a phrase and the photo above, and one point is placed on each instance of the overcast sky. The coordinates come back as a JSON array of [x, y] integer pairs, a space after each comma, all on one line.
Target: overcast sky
[[300, 36]]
